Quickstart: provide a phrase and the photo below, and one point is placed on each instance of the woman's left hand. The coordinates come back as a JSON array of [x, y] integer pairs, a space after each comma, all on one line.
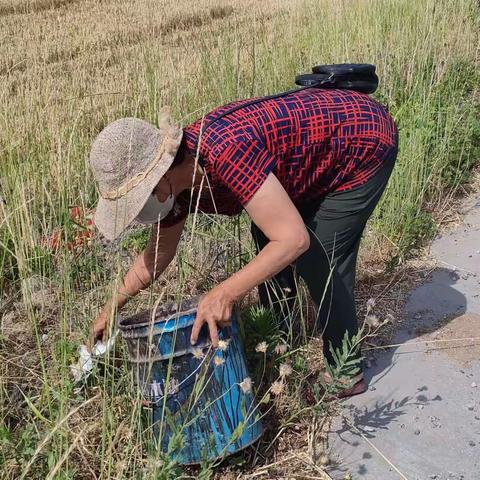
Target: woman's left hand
[[215, 309]]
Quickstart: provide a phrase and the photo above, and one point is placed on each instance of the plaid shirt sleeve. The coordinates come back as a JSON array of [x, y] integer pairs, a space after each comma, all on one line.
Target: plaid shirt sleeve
[[242, 167]]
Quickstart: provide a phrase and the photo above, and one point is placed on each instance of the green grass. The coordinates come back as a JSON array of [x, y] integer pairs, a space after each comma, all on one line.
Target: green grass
[[55, 103]]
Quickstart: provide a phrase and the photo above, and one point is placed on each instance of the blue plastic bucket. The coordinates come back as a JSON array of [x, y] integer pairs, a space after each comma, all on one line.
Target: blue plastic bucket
[[202, 405]]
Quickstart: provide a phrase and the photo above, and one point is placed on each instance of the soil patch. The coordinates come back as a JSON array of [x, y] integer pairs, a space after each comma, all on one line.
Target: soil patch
[[462, 334]]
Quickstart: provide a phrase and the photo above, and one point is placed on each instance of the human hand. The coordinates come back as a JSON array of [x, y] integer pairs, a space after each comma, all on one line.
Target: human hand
[[215, 309], [99, 328]]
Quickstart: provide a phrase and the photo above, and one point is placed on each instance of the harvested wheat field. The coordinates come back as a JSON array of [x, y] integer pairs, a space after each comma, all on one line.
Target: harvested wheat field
[[70, 67]]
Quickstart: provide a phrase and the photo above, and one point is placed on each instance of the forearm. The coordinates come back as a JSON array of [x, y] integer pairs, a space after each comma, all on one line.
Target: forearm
[[273, 258], [273, 212], [140, 275], [149, 265]]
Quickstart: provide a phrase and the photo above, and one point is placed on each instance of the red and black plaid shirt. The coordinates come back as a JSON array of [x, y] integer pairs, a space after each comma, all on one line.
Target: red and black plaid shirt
[[315, 142]]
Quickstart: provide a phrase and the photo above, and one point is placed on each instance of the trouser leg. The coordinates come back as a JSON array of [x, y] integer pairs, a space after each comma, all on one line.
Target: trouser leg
[[279, 293], [328, 267], [330, 290]]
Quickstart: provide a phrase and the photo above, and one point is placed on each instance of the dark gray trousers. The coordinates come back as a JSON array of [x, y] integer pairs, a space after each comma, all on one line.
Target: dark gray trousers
[[335, 223]]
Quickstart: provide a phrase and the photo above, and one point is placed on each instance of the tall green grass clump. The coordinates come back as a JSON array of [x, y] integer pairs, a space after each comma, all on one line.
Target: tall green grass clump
[[69, 68]]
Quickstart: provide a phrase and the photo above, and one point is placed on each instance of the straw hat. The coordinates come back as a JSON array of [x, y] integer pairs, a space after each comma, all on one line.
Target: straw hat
[[128, 158]]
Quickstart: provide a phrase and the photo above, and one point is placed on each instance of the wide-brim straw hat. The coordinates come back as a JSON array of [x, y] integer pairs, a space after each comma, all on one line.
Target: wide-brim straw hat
[[128, 158]]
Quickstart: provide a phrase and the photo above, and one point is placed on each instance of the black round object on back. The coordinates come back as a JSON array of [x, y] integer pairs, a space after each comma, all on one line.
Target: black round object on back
[[346, 69], [362, 86], [313, 80], [359, 83], [360, 77]]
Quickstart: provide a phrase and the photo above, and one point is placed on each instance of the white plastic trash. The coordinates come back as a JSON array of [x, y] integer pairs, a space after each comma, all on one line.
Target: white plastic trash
[[82, 369]]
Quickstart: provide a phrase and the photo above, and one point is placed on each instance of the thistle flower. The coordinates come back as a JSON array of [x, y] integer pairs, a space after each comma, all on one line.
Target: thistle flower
[[218, 361], [370, 304], [324, 459], [197, 352], [389, 318], [277, 388], [223, 345], [281, 348], [261, 347], [372, 321], [285, 370], [246, 385]]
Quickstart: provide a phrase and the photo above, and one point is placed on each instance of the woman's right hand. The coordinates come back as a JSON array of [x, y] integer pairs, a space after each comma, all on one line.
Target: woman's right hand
[[155, 258], [99, 328]]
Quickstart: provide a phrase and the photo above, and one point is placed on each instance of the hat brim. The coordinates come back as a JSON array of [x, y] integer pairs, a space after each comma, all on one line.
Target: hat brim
[[112, 217]]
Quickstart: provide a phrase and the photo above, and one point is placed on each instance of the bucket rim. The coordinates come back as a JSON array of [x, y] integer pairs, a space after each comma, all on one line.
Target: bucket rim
[[175, 321]]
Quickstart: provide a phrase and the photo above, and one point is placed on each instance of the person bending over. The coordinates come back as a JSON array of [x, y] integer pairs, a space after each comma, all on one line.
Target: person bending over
[[308, 167]]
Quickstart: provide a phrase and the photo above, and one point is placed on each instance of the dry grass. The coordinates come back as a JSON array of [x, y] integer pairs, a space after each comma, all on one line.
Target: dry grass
[[67, 68]]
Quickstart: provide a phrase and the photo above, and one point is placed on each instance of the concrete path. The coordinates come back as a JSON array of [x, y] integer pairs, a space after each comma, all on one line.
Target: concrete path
[[422, 410]]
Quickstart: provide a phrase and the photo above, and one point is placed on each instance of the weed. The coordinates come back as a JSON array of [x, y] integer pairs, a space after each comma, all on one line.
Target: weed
[[70, 67], [137, 241]]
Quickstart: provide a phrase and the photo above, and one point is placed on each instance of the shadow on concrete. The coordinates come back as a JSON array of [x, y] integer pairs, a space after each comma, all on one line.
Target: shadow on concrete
[[379, 416], [429, 308], [419, 418]]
